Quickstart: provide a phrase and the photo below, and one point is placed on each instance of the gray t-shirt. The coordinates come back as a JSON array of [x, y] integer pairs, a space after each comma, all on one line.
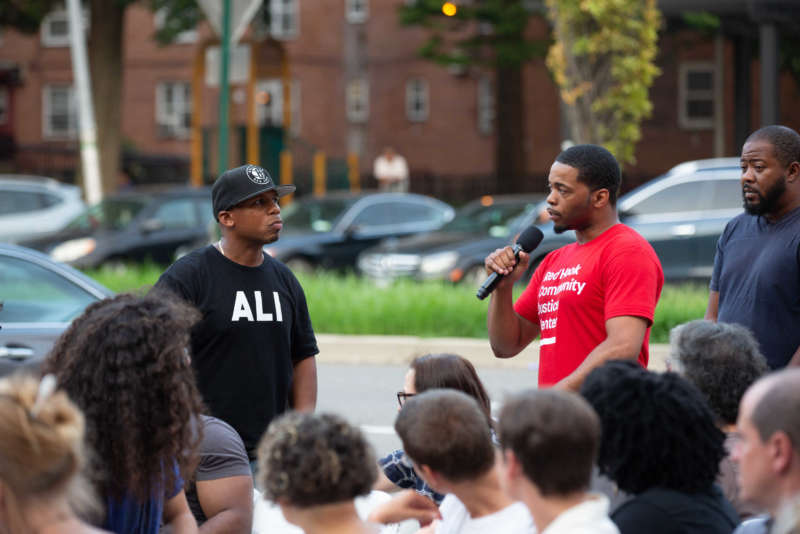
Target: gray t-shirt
[[222, 455]]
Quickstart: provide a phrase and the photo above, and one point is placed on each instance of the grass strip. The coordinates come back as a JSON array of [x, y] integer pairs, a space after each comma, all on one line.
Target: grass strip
[[348, 304]]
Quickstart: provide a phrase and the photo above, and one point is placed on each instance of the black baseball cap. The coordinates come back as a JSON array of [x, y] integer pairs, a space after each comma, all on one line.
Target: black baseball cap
[[239, 184]]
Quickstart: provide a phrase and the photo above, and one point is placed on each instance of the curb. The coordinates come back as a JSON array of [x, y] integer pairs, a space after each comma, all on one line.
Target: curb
[[400, 350]]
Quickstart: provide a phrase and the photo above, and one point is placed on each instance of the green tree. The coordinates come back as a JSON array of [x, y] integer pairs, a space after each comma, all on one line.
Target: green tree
[[490, 34], [106, 25], [603, 63]]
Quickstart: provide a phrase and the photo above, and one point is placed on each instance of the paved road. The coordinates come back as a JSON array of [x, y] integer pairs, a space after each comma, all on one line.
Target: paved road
[[365, 395], [359, 375]]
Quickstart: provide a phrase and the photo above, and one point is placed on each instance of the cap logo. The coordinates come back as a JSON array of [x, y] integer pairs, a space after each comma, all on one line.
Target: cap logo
[[257, 175]]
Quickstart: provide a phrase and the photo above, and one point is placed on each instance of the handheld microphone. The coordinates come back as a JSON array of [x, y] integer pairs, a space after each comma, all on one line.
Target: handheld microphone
[[527, 241]]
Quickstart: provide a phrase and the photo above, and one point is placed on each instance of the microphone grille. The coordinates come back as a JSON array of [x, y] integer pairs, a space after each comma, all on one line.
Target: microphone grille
[[530, 238]]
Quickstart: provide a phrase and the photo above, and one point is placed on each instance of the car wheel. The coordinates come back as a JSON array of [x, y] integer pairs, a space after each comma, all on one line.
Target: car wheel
[[299, 265], [474, 276]]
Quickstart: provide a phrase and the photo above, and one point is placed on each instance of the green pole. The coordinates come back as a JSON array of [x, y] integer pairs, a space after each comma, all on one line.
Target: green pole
[[225, 46]]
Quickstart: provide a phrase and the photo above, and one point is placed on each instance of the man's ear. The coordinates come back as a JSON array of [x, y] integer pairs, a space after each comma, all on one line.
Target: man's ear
[[600, 198], [793, 172], [782, 453], [511, 465], [226, 219]]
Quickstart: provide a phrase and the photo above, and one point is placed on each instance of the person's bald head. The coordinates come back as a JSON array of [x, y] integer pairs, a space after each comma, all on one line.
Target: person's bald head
[[773, 404]]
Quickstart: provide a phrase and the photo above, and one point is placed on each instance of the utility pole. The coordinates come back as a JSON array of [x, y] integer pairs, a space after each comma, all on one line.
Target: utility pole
[[88, 131], [224, 85]]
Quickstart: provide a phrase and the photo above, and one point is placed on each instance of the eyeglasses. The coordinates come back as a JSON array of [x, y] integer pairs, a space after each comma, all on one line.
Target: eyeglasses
[[402, 396]]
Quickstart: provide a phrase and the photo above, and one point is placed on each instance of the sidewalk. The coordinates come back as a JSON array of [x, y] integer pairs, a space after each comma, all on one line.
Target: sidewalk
[[400, 350]]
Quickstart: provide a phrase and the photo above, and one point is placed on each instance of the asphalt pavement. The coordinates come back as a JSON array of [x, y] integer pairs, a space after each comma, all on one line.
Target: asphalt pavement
[[360, 375]]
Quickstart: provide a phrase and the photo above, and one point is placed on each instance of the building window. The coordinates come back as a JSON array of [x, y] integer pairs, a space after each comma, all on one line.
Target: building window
[[417, 100], [270, 103], [485, 105], [696, 96], [174, 109], [357, 104], [357, 11], [184, 37], [55, 27], [3, 106], [60, 117], [284, 18]]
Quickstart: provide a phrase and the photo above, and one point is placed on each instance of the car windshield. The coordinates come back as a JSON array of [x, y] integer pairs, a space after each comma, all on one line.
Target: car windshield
[[316, 215], [109, 214], [495, 219]]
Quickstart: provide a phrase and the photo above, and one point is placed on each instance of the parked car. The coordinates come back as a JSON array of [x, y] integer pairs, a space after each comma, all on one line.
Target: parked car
[[32, 206], [38, 299], [682, 214], [456, 251], [133, 227], [331, 231]]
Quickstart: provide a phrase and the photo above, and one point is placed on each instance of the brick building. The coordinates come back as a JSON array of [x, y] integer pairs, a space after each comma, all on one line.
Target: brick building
[[357, 85]]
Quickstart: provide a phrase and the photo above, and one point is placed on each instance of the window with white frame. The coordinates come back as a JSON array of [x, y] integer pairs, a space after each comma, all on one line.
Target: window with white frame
[[696, 95], [184, 37], [417, 100], [486, 104], [284, 18], [55, 27], [60, 117], [357, 100], [174, 109], [357, 11], [270, 103], [3, 105]]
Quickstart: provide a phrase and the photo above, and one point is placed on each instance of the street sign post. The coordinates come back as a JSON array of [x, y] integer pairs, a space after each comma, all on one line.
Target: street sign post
[[224, 16]]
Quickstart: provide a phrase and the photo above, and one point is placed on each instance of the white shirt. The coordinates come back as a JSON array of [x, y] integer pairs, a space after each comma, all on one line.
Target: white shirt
[[513, 519], [588, 517], [395, 169]]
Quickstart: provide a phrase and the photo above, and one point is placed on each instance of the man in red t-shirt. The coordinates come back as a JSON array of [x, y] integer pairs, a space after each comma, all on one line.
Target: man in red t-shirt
[[592, 300]]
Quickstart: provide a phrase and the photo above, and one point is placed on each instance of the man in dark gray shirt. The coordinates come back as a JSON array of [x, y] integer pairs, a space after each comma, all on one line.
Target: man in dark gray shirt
[[756, 279]]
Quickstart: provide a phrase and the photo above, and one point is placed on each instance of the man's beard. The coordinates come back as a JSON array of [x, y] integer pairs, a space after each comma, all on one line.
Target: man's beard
[[766, 203]]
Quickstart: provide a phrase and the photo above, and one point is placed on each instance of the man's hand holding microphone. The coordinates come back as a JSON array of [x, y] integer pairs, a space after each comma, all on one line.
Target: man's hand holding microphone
[[501, 265]]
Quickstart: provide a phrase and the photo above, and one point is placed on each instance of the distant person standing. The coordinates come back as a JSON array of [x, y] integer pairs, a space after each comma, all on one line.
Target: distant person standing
[[391, 171], [756, 279], [254, 349]]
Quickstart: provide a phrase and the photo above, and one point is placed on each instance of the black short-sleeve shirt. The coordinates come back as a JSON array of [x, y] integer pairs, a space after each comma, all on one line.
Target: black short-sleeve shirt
[[255, 328]]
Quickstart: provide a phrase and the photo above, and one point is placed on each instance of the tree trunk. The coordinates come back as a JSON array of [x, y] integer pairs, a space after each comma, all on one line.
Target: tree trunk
[[509, 138], [105, 66]]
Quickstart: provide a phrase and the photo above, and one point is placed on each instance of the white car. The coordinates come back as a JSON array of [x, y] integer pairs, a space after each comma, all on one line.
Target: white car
[[32, 206]]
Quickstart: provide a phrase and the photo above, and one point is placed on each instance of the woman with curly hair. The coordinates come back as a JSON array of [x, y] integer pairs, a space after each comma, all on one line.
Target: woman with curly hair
[[124, 362], [431, 371], [659, 443], [41, 442], [314, 466]]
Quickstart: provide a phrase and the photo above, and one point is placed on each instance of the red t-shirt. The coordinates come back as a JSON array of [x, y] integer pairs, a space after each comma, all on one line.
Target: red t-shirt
[[578, 287]]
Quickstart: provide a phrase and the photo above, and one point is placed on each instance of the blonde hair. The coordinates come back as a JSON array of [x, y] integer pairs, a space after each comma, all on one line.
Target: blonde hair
[[41, 438]]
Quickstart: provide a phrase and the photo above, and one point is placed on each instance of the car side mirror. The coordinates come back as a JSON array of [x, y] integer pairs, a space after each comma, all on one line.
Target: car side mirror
[[352, 230], [150, 226]]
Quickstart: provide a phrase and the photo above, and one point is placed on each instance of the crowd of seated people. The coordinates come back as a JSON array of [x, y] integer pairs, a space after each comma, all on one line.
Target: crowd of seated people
[[115, 438]]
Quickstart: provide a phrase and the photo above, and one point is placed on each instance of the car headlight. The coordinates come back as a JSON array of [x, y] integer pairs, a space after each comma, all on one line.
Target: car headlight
[[73, 249], [438, 263]]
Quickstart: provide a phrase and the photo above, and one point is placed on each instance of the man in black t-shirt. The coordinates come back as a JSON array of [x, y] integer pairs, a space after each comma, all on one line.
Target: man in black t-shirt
[[254, 350]]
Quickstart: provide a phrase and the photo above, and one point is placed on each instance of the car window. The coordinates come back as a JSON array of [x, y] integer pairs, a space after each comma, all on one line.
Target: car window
[[49, 199], [206, 211], [34, 294], [318, 215], [176, 214], [19, 202], [687, 196], [110, 214], [496, 220], [379, 214], [727, 195]]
